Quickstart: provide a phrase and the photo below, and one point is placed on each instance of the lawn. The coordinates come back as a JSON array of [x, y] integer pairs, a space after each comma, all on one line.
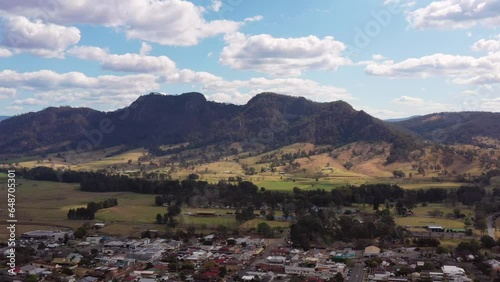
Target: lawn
[[210, 222], [421, 217], [424, 221], [424, 211]]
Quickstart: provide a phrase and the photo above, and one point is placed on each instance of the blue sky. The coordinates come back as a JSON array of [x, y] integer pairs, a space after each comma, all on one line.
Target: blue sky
[[390, 58]]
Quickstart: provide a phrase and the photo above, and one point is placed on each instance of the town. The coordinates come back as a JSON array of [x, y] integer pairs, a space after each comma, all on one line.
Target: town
[[60, 256]]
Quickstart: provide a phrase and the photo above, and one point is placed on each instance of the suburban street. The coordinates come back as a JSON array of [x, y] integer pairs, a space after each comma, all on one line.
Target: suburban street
[[489, 223], [357, 274]]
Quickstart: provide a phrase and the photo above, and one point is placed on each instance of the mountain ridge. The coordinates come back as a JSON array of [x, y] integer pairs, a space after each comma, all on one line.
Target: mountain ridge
[[268, 120]]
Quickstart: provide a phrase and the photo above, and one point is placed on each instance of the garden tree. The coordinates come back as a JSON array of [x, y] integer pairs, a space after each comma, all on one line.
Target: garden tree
[[173, 210], [456, 213], [400, 208], [80, 232], [487, 242], [471, 247], [67, 271], [159, 219], [265, 230], [172, 222], [338, 277], [480, 224], [245, 214]]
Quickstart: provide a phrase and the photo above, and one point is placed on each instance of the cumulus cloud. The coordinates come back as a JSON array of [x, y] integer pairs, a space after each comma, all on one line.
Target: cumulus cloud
[[42, 39], [417, 105], [27, 102], [48, 85], [282, 56], [456, 14], [5, 53], [145, 49], [128, 62], [489, 45], [7, 93], [254, 18], [168, 22], [216, 5], [240, 91], [461, 69]]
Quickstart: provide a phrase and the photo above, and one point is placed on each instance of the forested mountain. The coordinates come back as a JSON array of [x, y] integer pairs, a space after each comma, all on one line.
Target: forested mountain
[[269, 120], [455, 128], [4, 117]]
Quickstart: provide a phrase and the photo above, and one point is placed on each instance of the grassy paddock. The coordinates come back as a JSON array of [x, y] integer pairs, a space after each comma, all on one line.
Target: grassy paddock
[[423, 221]]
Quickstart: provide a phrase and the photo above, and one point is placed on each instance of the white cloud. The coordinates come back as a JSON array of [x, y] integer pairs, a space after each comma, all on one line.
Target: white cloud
[[461, 69], [456, 14], [378, 57], [145, 49], [14, 108], [48, 86], [125, 62], [240, 91], [488, 45], [42, 39], [254, 18], [5, 53], [406, 100], [7, 93], [416, 105], [27, 102], [282, 56], [216, 5], [168, 22]]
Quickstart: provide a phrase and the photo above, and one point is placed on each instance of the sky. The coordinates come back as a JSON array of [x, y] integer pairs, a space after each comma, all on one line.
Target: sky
[[390, 58]]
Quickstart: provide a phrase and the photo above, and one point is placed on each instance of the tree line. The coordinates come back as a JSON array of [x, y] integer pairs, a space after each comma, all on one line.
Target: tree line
[[88, 213]]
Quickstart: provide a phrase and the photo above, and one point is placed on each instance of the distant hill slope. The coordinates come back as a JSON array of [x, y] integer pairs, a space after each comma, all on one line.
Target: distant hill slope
[[4, 117], [269, 120], [451, 128], [400, 119]]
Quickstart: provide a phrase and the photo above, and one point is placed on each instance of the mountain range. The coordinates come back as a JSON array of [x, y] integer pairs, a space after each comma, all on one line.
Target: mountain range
[[268, 120]]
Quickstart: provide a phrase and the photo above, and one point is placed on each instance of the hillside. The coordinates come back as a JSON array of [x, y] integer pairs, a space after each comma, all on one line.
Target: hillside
[[267, 121], [4, 117], [456, 128]]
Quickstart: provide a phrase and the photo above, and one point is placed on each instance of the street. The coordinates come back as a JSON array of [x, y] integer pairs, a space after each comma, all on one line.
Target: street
[[489, 223], [357, 273]]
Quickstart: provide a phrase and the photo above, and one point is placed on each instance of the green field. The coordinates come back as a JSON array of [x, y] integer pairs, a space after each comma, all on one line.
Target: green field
[[424, 221], [427, 184]]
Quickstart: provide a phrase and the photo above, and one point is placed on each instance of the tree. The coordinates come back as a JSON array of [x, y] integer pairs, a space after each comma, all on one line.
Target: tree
[[67, 271], [480, 224], [264, 229], [338, 277], [173, 210], [487, 242], [80, 232], [159, 219], [193, 176]]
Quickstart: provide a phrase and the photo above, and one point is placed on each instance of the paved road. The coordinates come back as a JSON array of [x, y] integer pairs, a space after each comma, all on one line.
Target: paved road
[[489, 223], [357, 274]]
